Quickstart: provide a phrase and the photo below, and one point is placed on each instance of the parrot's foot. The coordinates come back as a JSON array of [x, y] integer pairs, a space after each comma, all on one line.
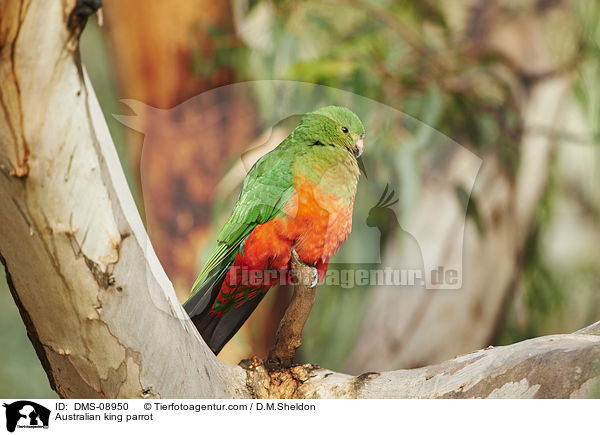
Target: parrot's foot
[[315, 280], [307, 274]]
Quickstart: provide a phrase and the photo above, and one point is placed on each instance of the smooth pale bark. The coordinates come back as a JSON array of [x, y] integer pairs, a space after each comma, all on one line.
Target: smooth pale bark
[[98, 307], [556, 366]]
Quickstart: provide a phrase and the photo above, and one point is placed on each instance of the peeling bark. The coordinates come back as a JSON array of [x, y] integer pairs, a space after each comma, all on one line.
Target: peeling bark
[[98, 307]]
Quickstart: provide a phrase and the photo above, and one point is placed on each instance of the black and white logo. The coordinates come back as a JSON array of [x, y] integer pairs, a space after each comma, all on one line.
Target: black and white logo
[[26, 414]]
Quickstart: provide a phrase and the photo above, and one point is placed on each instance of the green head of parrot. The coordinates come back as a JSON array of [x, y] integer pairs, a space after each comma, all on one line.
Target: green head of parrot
[[337, 126]]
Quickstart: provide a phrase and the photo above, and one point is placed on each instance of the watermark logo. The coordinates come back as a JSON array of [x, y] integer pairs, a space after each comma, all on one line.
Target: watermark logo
[[25, 414]]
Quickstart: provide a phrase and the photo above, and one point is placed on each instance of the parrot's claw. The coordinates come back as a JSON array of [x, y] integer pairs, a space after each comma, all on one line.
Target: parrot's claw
[[315, 272], [315, 278]]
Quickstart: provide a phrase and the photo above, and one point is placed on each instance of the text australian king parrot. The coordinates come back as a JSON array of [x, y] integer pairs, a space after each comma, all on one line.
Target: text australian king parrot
[[299, 196]]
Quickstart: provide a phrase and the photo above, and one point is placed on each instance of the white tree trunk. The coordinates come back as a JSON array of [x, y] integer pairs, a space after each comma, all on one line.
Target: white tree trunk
[[98, 307]]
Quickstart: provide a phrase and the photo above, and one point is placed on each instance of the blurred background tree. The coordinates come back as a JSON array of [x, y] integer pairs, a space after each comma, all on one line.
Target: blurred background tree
[[516, 82]]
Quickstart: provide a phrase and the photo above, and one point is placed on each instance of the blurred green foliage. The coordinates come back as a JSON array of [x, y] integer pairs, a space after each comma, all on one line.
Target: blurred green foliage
[[21, 374], [587, 85], [398, 53], [554, 296]]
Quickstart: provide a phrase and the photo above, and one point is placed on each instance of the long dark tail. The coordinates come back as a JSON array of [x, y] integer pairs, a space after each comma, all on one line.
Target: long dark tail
[[217, 331]]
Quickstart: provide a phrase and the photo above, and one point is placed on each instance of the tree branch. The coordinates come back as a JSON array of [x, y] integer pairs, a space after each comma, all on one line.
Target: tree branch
[[97, 305], [556, 366], [289, 334]]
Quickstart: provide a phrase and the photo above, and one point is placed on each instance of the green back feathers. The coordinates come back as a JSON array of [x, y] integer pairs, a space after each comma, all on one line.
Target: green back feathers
[[264, 193]]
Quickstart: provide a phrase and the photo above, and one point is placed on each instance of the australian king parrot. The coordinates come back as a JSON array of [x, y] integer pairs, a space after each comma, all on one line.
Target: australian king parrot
[[299, 196]]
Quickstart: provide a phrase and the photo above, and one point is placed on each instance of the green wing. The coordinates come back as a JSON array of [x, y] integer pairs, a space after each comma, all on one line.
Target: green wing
[[264, 193]]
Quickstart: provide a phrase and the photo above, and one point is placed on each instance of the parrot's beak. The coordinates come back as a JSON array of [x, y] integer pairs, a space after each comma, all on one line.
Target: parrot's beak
[[359, 147]]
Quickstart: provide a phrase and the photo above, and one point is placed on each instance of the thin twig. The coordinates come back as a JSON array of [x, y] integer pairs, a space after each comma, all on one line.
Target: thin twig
[[289, 333]]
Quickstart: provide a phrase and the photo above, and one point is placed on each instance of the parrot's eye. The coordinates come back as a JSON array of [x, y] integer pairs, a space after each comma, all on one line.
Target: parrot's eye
[[345, 130]]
